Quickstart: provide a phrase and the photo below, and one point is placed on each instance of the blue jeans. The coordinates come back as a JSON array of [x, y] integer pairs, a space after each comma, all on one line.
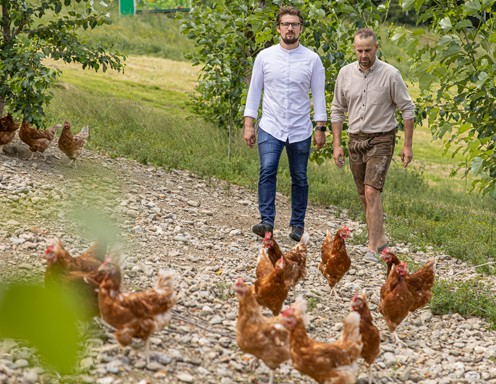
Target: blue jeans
[[269, 151]]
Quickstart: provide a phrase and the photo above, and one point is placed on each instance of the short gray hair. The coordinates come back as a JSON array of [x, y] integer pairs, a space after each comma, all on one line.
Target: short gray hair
[[364, 33]]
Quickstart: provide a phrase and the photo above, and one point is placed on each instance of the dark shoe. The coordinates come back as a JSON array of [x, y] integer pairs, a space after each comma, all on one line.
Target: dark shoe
[[296, 233], [261, 229], [382, 247]]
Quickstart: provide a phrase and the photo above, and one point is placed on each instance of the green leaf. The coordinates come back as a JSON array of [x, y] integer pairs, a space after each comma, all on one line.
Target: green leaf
[[464, 128], [406, 4], [477, 165], [472, 7], [445, 127], [418, 5], [482, 79], [46, 318], [463, 24], [399, 34], [445, 24], [425, 80]]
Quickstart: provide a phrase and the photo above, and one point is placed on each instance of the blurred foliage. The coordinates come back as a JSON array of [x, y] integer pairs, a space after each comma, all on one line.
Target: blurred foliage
[[161, 5], [46, 319]]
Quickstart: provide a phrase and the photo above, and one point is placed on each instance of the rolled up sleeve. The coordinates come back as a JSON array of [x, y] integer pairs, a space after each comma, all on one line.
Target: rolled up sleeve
[[339, 105]]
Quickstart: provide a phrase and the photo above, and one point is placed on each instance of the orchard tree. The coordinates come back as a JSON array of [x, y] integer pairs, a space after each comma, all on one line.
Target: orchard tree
[[35, 30], [230, 33], [455, 61]]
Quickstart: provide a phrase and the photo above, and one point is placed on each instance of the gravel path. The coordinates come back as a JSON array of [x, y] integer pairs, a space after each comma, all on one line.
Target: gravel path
[[201, 228]]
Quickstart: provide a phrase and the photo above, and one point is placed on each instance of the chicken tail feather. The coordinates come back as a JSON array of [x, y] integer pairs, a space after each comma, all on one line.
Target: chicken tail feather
[[84, 133], [165, 280]]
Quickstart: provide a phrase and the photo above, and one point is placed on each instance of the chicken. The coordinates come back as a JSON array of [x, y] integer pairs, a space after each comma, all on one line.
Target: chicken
[[263, 337], [137, 314], [84, 286], [328, 363], [81, 274], [335, 261], [370, 334], [419, 283], [295, 268], [273, 249], [396, 299], [72, 145], [8, 129], [270, 287], [36, 140], [60, 261]]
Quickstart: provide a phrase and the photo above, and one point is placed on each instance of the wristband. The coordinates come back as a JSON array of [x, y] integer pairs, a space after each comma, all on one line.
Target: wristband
[[322, 128]]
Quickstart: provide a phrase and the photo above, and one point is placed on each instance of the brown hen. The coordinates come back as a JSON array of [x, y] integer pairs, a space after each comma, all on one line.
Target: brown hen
[[37, 140], [396, 299], [80, 274], [335, 261], [420, 283], [263, 337], [270, 286], [60, 261], [272, 247], [137, 314], [8, 129], [72, 145], [328, 363], [371, 338], [295, 268]]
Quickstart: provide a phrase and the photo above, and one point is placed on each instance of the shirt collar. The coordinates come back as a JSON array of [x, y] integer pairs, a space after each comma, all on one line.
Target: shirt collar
[[290, 50], [372, 68]]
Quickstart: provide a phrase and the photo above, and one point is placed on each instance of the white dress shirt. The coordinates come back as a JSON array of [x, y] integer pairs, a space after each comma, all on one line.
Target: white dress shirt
[[286, 78]]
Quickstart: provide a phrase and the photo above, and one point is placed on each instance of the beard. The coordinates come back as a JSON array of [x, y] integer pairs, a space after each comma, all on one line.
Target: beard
[[366, 63], [290, 40]]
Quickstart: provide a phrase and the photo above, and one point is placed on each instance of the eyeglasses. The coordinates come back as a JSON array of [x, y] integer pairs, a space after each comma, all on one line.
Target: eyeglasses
[[286, 25]]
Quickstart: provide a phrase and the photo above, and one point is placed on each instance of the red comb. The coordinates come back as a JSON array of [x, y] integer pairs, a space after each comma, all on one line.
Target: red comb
[[288, 312]]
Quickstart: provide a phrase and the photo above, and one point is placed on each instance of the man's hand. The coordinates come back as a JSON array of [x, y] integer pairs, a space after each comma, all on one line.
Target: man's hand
[[249, 135], [319, 139], [406, 155], [338, 155]]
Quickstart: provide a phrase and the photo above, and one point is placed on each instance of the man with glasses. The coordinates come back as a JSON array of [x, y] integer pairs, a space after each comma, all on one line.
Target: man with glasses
[[286, 73], [370, 91]]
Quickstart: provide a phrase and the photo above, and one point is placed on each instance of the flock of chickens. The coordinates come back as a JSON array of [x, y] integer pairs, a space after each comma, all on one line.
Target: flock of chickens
[[40, 140], [96, 276], [283, 336]]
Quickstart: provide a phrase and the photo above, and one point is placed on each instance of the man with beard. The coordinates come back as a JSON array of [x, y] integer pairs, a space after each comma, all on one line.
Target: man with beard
[[370, 91], [286, 73]]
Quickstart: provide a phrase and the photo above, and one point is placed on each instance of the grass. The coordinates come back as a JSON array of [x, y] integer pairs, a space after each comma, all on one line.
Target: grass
[[149, 34], [144, 114], [468, 298]]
